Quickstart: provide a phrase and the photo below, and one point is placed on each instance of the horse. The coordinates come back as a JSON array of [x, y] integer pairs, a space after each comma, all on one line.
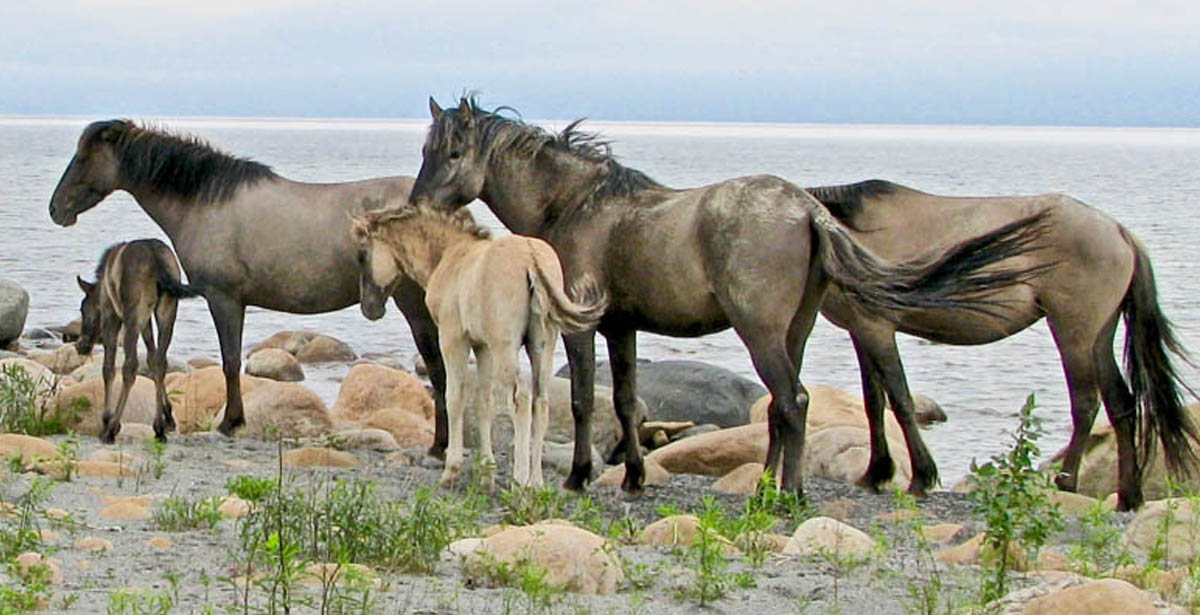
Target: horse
[[753, 253], [488, 295], [244, 234], [135, 281], [1094, 272]]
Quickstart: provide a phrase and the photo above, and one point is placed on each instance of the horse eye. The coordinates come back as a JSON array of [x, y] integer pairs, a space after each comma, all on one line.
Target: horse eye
[[362, 258], [455, 155]]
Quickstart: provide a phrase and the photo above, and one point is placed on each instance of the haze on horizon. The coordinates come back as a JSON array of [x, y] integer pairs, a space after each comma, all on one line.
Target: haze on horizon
[[1072, 62]]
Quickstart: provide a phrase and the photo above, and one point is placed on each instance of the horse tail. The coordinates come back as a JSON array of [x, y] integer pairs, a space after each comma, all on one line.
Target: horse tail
[[567, 314], [168, 280], [1156, 386], [957, 278]]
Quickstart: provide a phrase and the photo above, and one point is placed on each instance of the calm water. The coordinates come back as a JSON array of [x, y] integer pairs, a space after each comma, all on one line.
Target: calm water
[[1149, 179]]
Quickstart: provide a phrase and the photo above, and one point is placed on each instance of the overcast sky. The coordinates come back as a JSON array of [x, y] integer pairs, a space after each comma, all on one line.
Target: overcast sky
[[1091, 62]]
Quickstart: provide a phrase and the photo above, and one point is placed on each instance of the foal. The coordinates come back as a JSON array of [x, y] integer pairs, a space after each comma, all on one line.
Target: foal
[[487, 295], [134, 281]]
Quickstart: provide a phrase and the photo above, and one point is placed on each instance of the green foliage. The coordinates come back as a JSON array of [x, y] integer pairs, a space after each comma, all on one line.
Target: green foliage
[[705, 557], [27, 405], [156, 450], [250, 488], [123, 602], [1010, 494], [18, 534], [68, 454], [531, 590], [180, 514], [527, 505], [1101, 549]]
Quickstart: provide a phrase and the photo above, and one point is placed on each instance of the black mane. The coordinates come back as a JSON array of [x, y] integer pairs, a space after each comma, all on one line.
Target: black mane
[[104, 256], [846, 201], [499, 132], [184, 167]]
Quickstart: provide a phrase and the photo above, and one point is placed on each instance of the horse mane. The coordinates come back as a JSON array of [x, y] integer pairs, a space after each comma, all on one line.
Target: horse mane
[[459, 220], [104, 256], [182, 166], [497, 131], [846, 201]]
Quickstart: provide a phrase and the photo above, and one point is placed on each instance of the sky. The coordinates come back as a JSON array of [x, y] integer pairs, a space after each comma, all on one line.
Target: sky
[[1050, 62]]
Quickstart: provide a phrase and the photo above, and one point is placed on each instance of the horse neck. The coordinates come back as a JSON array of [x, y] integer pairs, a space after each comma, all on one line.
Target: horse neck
[[168, 213], [526, 193], [419, 244]]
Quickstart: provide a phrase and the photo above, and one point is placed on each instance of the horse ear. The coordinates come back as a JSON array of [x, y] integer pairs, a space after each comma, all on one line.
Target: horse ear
[[84, 285], [464, 111], [434, 110], [358, 227]]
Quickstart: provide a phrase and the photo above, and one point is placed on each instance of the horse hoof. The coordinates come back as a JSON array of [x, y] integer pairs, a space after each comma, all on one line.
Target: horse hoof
[[109, 436], [437, 452], [578, 479], [227, 427]]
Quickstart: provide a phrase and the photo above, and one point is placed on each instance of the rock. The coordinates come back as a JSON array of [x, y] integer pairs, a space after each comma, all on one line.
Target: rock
[[825, 537], [694, 431], [44, 381], [28, 561], [124, 511], [369, 438], [716, 453], [56, 513], [139, 408], [310, 456], [970, 552], [62, 360], [612, 477], [742, 480], [198, 396], [353, 575], [29, 448], [233, 507], [841, 453], [70, 331], [559, 457], [1098, 470], [407, 430], [928, 411], [202, 362], [94, 366], [386, 360], [1104, 597], [308, 346], [1072, 504], [368, 388], [574, 559], [94, 544], [838, 509], [91, 468], [134, 433], [275, 364], [942, 533], [679, 531], [286, 409], [689, 391], [606, 429], [14, 308], [1050, 559], [160, 543], [648, 430], [462, 547], [1182, 542]]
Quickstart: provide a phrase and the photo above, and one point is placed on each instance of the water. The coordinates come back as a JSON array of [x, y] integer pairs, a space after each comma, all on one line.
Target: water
[[1149, 179]]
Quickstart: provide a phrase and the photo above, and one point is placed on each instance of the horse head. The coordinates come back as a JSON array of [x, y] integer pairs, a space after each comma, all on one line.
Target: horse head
[[89, 310], [92, 173], [454, 162], [378, 273]]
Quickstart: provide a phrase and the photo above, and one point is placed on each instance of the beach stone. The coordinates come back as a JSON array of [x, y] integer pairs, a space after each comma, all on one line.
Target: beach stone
[[942, 533], [742, 480], [198, 396], [1104, 597], [337, 574], [202, 362], [70, 331], [573, 558], [285, 409], [140, 407], [823, 535], [927, 410], [1183, 534], [369, 438], [29, 560], [275, 364], [1072, 504], [233, 507], [94, 366], [606, 429], [124, 511], [160, 543], [368, 388], [385, 360], [28, 448], [695, 431], [48, 535], [716, 453], [134, 433], [1050, 559], [408, 430], [612, 477], [43, 379], [14, 308], [842, 452], [94, 544], [839, 509], [559, 456], [679, 531], [689, 391], [311, 456], [56, 513], [971, 551], [308, 346], [62, 360], [91, 468], [462, 547]]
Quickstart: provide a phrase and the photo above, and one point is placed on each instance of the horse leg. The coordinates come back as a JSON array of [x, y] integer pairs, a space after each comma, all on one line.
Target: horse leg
[[1122, 413], [164, 315], [541, 356], [504, 400], [581, 358], [109, 328], [885, 360], [880, 468], [486, 393], [1080, 369], [410, 299], [112, 425], [229, 315], [622, 356], [788, 410], [454, 351]]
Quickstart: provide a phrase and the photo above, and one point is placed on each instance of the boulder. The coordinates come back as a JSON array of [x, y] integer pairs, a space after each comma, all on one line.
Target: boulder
[[1104, 597], [94, 366], [275, 364], [826, 537], [62, 360], [308, 346], [36, 371], [841, 453], [14, 308], [311, 457], [286, 409], [689, 391], [408, 430], [573, 559], [612, 477], [369, 438], [370, 387], [716, 453], [742, 480], [28, 448], [1182, 525], [606, 429], [560, 456], [971, 551], [140, 407], [679, 531], [198, 396]]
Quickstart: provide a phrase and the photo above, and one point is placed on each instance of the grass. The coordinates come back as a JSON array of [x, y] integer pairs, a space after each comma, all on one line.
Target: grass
[[28, 406], [181, 514]]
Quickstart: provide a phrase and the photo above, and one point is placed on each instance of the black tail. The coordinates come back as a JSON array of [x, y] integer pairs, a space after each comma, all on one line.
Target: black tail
[[951, 280], [1156, 386], [168, 282]]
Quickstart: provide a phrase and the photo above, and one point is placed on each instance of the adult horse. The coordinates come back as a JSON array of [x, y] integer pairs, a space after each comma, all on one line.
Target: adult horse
[[244, 234], [1093, 273], [754, 253]]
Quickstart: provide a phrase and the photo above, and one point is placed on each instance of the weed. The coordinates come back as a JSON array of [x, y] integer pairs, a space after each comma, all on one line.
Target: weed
[[706, 556], [1101, 549], [250, 488], [1010, 494], [68, 457], [27, 405], [122, 602], [156, 450], [528, 505], [180, 514]]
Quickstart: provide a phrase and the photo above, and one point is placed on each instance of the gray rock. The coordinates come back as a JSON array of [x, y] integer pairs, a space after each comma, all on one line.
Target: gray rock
[[275, 364], [695, 431], [690, 391], [14, 308]]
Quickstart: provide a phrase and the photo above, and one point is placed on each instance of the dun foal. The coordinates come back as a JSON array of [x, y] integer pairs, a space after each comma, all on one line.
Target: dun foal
[[134, 281], [487, 295]]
